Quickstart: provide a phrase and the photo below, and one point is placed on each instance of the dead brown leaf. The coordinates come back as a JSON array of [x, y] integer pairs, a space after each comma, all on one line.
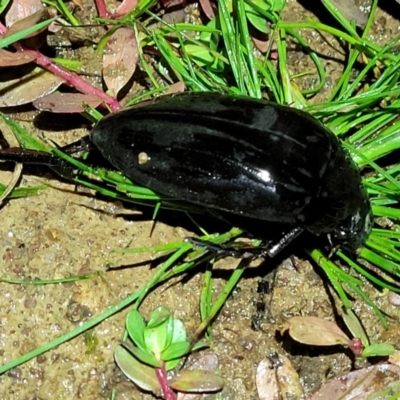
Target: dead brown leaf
[[78, 4], [177, 87], [266, 381], [207, 362], [365, 383], [207, 8], [66, 102], [120, 59], [262, 45], [126, 6], [28, 87], [276, 378], [19, 14], [316, 331], [9, 59]]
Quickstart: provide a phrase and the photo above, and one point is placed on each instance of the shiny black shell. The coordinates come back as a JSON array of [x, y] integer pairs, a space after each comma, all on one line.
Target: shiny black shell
[[244, 156]]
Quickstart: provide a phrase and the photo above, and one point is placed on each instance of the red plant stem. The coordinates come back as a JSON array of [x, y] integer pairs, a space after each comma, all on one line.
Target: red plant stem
[[167, 392], [70, 78]]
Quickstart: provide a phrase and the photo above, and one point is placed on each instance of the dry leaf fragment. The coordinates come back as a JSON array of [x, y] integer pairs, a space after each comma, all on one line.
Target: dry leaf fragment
[[394, 298], [27, 88], [207, 8], [78, 4], [316, 331], [266, 381], [9, 59], [177, 87], [20, 10], [365, 383], [276, 378], [120, 59], [126, 6], [207, 362], [66, 102]]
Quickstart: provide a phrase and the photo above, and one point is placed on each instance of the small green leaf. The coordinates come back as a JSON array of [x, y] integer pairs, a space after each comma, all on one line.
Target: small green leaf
[[176, 350], [260, 4], [142, 375], [200, 345], [142, 355], [172, 364], [3, 5], [158, 317], [157, 338], [207, 36], [378, 350], [277, 5], [135, 327], [199, 54], [179, 331], [258, 22], [355, 327]]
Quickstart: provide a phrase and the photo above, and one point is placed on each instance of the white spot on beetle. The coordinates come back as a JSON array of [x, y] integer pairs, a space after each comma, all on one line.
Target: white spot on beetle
[[264, 175], [143, 158]]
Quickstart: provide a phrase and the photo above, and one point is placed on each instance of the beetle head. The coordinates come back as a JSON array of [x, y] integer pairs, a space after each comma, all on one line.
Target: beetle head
[[352, 233]]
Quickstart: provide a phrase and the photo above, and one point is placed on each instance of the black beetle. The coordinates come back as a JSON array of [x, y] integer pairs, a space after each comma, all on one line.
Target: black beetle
[[244, 156], [250, 158]]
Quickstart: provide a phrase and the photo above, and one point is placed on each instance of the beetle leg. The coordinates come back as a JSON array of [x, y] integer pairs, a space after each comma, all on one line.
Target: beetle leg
[[83, 144], [224, 250], [287, 238], [269, 250]]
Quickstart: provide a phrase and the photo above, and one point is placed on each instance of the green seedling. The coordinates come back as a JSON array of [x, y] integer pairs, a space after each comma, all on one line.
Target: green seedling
[[154, 349]]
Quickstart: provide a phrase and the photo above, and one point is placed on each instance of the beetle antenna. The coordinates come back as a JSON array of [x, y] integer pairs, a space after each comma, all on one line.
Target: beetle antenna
[[25, 156]]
